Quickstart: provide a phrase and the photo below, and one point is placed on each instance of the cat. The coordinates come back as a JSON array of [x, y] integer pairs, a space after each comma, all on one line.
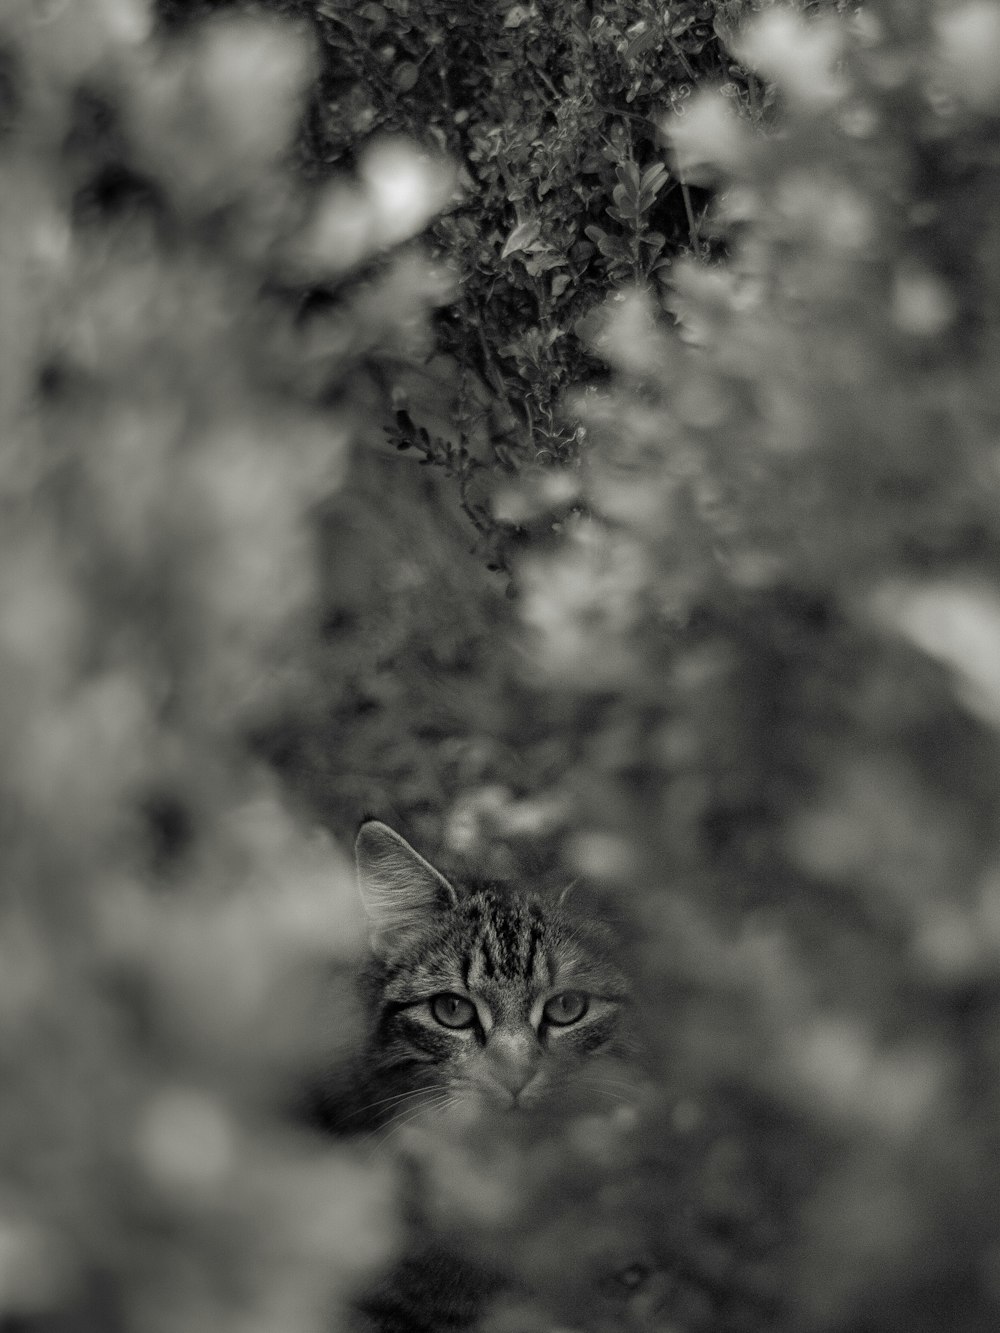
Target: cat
[[486, 1002], [479, 994]]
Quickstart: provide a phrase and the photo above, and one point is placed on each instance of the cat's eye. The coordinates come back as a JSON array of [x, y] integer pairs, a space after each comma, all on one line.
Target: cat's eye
[[569, 1006], [453, 1011]]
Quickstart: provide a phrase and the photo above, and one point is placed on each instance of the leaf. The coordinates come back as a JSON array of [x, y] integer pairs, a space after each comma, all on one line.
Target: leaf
[[376, 14], [521, 237], [653, 180], [559, 284], [611, 247], [642, 41], [628, 175], [541, 263], [516, 15], [405, 76], [628, 212], [625, 200]]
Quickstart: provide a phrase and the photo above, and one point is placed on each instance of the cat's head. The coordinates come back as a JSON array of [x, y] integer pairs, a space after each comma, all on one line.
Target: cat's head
[[482, 993]]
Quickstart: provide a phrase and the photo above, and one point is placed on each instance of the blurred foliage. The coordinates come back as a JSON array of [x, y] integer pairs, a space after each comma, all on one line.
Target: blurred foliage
[[551, 111], [782, 588], [748, 687], [165, 918]]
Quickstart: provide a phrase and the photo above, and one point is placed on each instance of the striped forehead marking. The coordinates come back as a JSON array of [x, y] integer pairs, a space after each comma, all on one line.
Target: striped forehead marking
[[508, 940]]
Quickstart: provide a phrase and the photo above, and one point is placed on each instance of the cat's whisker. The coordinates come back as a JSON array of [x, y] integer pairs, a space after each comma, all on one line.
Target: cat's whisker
[[625, 1089], [409, 1113], [402, 1110], [408, 1116], [621, 1093], [612, 1097], [400, 1097], [630, 1089]]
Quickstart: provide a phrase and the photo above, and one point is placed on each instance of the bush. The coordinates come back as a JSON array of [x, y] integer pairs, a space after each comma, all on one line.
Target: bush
[[553, 113], [165, 447], [752, 699], [550, 113], [786, 575]]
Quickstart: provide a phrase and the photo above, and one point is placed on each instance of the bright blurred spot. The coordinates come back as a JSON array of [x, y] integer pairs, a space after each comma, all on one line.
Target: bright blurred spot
[[127, 21], [582, 603], [253, 72], [922, 303], [552, 488], [630, 339], [873, 822], [831, 211], [707, 139], [962, 939], [838, 1063], [957, 623], [186, 1140], [800, 55], [338, 234], [298, 886], [969, 43], [406, 188], [602, 856], [849, 221]]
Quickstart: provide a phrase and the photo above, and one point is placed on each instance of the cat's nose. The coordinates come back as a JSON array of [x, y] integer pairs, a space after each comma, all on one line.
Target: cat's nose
[[514, 1061]]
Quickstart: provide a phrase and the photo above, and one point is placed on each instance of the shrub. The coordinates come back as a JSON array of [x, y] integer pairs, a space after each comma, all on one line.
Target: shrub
[[754, 704], [783, 598], [552, 112], [164, 448]]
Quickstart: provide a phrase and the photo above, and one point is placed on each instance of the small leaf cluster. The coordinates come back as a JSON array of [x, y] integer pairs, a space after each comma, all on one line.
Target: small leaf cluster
[[637, 254]]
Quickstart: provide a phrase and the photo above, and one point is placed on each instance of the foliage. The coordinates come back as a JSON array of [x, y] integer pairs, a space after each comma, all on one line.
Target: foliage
[[783, 596], [752, 701], [550, 111], [162, 452]]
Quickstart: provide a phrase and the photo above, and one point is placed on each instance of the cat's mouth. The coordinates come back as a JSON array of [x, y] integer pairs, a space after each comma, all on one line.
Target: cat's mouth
[[514, 1097]]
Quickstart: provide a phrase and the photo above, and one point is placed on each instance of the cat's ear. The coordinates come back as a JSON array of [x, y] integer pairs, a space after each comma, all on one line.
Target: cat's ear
[[399, 890]]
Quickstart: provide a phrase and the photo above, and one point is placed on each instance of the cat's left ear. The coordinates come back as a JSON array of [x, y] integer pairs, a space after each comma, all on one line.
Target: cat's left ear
[[400, 891]]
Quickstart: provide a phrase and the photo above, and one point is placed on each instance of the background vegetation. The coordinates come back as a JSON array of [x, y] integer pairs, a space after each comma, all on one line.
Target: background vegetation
[[699, 345]]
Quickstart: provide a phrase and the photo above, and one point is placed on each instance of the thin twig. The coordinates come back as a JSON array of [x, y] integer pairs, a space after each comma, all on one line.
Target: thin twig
[[682, 58], [693, 230]]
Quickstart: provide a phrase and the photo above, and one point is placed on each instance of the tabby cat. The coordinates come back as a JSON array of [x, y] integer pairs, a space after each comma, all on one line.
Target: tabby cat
[[478, 994], [481, 999]]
